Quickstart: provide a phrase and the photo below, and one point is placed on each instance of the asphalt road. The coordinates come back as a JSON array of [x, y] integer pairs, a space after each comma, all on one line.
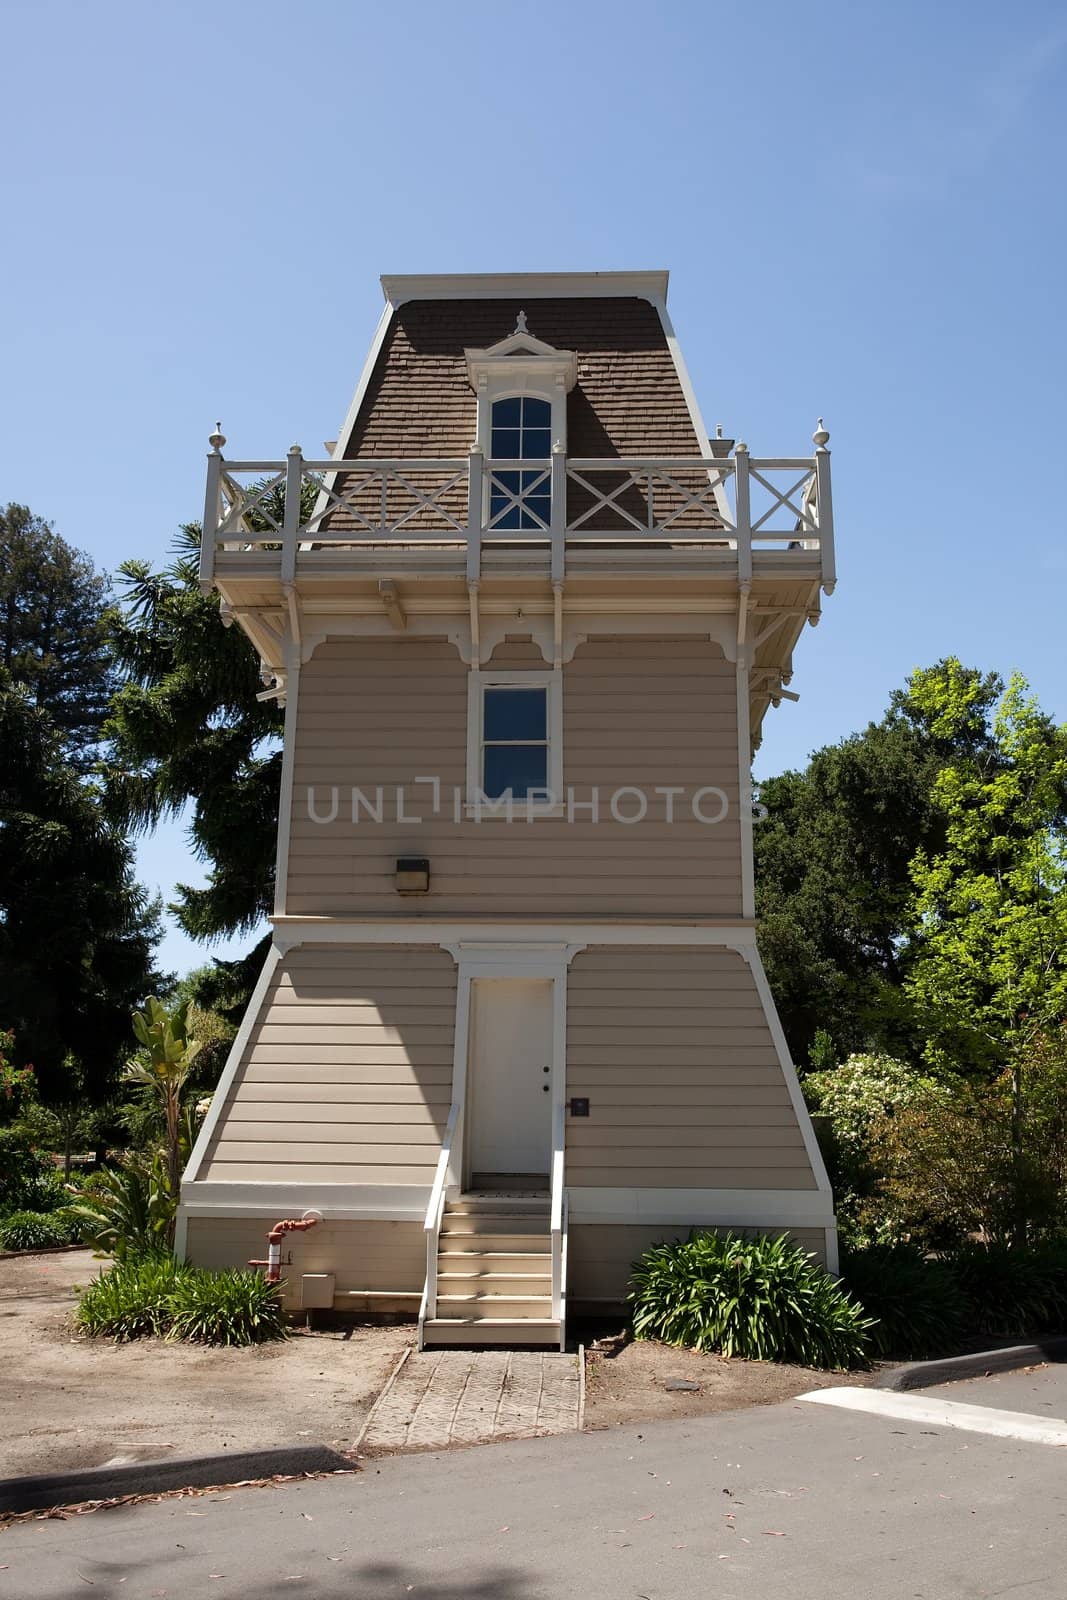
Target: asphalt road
[[791, 1502]]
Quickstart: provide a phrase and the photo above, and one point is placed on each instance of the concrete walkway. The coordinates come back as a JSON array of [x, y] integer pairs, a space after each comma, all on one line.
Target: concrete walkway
[[442, 1397]]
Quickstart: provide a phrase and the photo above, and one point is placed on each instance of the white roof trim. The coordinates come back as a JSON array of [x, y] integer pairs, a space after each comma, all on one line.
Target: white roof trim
[[399, 287], [521, 355]]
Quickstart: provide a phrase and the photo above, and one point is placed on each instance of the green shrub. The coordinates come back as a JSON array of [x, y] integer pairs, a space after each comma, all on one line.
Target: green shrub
[[234, 1307], [1010, 1292], [126, 1210], [762, 1299], [156, 1296], [133, 1299], [28, 1178], [915, 1301], [34, 1230]]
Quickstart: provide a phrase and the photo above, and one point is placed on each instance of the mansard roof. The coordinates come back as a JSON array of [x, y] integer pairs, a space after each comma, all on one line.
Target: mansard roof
[[630, 399]]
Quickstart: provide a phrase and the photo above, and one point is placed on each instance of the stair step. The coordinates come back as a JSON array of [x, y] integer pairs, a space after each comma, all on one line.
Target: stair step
[[477, 1307], [512, 1226], [491, 1204], [494, 1260], [499, 1243], [491, 1330], [494, 1283]]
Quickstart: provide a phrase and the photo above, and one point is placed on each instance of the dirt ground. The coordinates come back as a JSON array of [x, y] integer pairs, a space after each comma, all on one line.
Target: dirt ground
[[626, 1381], [69, 1402]]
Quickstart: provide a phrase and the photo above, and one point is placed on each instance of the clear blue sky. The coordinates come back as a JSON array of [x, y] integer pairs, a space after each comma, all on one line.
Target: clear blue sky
[[862, 208]]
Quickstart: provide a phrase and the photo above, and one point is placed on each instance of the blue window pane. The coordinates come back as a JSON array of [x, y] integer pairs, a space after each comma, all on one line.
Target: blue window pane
[[515, 714], [536, 442], [501, 518], [507, 413], [507, 444], [536, 413], [518, 767], [537, 511]]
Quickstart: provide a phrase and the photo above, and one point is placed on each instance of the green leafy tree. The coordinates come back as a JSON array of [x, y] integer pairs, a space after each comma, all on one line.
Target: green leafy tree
[[987, 956], [164, 1064], [980, 1159], [77, 932], [54, 618], [187, 730], [833, 878]]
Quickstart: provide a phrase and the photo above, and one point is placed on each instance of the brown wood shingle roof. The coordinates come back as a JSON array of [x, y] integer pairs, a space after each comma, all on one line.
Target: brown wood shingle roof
[[627, 401]]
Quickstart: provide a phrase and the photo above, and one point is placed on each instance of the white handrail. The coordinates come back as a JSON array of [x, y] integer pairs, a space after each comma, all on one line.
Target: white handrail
[[434, 1212], [557, 1201]]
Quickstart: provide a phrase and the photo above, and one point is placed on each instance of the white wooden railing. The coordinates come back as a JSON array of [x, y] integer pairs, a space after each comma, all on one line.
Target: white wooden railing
[[435, 1210], [558, 1214], [728, 500]]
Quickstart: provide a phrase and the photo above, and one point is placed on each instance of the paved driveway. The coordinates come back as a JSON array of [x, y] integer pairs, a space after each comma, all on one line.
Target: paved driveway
[[791, 1502]]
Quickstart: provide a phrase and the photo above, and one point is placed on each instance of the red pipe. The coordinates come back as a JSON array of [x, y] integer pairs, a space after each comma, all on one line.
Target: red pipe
[[273, 1262]]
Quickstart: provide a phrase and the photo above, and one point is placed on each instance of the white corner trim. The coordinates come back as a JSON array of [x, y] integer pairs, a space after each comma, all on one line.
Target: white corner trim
[[363, 383], [744, 790], [399, 287], [230, 1070], [695, 1208], [789, 1071], [691, 400], [286, 785]]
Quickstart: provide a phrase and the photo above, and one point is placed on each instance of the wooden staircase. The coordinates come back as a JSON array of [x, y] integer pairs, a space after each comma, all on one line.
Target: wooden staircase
[[494, 1272]]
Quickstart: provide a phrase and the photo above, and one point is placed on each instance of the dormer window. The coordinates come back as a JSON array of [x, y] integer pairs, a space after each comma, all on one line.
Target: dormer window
[[521, 430], [522, 386]]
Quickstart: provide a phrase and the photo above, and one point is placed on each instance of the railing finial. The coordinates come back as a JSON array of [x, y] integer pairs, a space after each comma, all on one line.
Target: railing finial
[[821, 437], [294, 450], [217, 439]]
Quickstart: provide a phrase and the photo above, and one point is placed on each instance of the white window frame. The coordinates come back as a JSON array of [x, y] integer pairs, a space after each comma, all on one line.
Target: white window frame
[[520, 809], [557, 440]]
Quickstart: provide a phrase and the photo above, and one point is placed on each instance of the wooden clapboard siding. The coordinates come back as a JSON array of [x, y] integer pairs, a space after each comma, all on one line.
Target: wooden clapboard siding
[[637, 713], [376, 1256], [685, 1091], [601, 1256], [348, 1071]]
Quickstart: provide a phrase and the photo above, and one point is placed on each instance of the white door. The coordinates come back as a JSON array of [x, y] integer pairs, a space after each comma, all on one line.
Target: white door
[[510, 1087]]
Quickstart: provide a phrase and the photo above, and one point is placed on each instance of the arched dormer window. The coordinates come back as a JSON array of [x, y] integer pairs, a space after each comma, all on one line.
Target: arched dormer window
[[522, 386], [521, 430]]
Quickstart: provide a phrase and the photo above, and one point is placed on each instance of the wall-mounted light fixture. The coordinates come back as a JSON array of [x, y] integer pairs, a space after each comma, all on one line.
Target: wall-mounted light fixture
[[412, 875]]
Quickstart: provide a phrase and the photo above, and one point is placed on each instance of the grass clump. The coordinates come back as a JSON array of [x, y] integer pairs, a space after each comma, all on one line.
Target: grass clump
[[154, 1295], [132, 1300], [236, 1307], [761, 1299]]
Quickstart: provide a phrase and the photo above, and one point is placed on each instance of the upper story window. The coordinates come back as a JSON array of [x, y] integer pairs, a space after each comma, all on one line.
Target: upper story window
[[514, 741], [521, 430]]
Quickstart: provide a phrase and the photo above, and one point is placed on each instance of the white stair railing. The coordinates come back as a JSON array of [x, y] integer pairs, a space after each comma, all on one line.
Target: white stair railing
[[558, 1215], [435, 1211]]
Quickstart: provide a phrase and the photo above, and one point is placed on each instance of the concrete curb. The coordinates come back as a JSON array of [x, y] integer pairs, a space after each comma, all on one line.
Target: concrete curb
[[952, 1369], [159, 1477]]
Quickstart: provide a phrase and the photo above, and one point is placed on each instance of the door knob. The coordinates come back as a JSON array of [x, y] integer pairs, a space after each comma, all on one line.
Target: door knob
[[544, 1088], [546, 1069]]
